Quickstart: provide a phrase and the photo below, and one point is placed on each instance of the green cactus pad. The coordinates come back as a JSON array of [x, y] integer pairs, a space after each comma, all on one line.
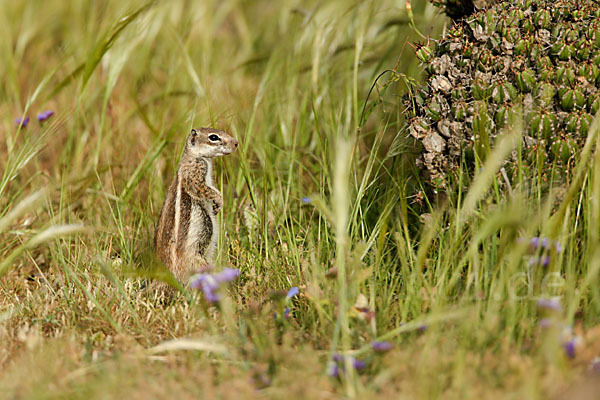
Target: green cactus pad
[[535, 61]]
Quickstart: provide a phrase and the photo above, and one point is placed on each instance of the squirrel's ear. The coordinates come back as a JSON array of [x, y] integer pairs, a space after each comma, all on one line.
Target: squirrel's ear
[[194, 132]]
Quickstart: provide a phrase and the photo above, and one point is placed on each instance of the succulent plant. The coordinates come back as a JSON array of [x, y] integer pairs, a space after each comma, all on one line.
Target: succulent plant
[[535, 60], [457, 9]]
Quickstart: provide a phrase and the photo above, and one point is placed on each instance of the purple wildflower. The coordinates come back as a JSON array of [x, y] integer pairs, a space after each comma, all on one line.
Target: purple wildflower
[[549, 304], [227, 275], [358, 364], [22, 121], [292, 292], [569, 348], [306, 200], [196, 281], [382, 347], [45, 115], [339, 360], [200, 281], [422, 328], [534, 242], [543, 243], [333, 370], [545, 323], [543, 261], [261, 380], [546, 261], [210, 283], [212, 296], [286, 313], [366, 313], [557, 247], [537, 242]]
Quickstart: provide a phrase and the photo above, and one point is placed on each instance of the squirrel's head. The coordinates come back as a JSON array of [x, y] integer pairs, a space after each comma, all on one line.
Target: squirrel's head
[[209, 142]]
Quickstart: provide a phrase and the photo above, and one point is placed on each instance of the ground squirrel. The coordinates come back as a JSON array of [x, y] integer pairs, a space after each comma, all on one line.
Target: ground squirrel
[[186, 235]]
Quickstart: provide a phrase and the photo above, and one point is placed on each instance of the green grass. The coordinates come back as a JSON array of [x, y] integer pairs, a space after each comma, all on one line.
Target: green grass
[[449, 282]]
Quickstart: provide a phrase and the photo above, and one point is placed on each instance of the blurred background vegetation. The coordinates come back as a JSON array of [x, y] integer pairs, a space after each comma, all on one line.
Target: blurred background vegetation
[[323, 194]]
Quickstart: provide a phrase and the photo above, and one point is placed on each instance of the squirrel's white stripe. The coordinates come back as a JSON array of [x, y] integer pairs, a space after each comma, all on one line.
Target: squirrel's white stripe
[[208, 178], [212, 247], [177, 215]]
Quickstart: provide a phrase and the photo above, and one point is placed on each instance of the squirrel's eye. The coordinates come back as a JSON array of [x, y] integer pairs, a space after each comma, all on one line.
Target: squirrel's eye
[[214, 138]]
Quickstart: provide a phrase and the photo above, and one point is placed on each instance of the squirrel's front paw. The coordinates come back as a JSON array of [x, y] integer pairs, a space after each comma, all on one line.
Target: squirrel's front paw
[[217, 204]]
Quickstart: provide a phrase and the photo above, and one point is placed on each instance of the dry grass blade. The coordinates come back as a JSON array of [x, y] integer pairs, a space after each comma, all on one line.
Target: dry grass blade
[[108, 40], [143, 166], [28, 204], [189, 344], [54, 232], [484, 178]]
